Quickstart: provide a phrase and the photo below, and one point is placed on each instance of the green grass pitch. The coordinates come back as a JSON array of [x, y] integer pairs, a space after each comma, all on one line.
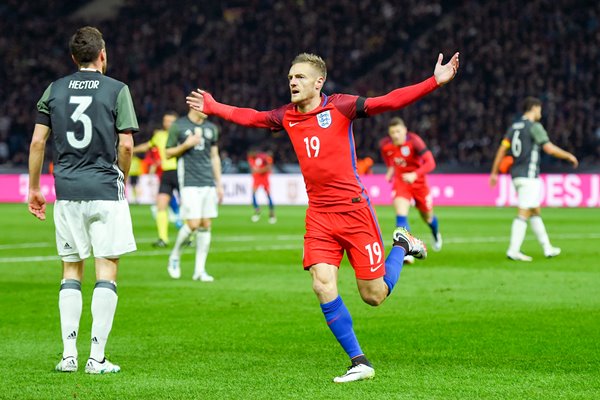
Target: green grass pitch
[[464, 324]]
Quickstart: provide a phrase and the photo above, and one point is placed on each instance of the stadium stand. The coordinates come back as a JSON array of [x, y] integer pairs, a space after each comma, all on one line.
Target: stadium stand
[[240, 51]]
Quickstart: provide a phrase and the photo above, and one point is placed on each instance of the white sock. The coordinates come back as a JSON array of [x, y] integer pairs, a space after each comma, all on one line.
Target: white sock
[[202, 245], [104, 305], [538, 227], [182, 237], [517, 235], [69, 306]]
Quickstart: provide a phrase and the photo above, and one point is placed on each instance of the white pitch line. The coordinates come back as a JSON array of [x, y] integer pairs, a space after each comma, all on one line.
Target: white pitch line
[[243, 249], [5, 260]]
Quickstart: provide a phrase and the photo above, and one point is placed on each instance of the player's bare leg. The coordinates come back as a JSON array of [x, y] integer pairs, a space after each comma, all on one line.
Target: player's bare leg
[[104, 305], [70, 305]]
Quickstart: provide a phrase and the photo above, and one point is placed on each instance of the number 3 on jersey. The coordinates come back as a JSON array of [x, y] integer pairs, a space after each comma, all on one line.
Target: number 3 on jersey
[[83, 102], [312, 146]]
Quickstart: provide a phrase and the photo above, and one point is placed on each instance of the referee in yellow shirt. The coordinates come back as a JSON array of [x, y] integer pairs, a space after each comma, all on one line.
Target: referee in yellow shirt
[[168, 180]]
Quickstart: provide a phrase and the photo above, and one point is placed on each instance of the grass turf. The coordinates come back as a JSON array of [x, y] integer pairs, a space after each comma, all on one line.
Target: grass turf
[[464, 324]]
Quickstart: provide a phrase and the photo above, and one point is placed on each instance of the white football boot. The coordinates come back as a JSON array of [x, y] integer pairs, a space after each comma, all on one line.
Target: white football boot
[[552, 252], [409, 259], [356, 373], [204, 277], [518, 256], [105, 367], [255, 217], [68, 364], [173, 268], [437, 242], [415, 246]]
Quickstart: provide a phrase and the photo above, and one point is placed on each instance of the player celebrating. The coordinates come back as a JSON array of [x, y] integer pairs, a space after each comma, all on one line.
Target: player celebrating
[[339, 216], [91, 117], [409, 160], [168, 177], [261, 165], [524, 138], [193, 140]]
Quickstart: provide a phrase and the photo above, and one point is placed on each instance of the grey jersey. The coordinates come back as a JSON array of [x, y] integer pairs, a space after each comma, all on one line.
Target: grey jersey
[[526, 138], [194, 167], [85, 112]]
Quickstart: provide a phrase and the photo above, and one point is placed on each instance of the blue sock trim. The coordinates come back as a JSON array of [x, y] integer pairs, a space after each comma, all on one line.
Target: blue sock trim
[[174, 205], [254, 202], [402, 222], [340, 322], [434, 226], [270, 201], [393, 267]]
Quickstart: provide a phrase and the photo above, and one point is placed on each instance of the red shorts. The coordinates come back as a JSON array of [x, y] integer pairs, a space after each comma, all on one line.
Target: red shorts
[[328, 234], [260, 180], [418, 191]]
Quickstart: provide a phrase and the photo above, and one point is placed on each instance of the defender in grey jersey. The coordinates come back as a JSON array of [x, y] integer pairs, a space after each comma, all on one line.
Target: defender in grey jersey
[[91, 118], [193, 140], [523, 141]]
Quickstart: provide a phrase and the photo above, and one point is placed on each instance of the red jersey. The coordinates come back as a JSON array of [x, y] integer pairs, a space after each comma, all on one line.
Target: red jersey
[[323, 139], [261, 162], [407, 157], [324, 144]]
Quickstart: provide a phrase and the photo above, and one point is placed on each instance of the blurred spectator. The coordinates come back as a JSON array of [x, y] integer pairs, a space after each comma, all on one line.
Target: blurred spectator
[[509, 49]]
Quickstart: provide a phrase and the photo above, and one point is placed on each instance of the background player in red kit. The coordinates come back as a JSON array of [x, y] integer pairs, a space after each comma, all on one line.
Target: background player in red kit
[[409, 160], [339, 216], [261, 165]]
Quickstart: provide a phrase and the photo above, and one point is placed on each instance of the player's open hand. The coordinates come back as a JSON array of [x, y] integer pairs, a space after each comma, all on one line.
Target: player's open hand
[[37, 204], [573, 160], [197, 99], [493, 180], [444, 73]]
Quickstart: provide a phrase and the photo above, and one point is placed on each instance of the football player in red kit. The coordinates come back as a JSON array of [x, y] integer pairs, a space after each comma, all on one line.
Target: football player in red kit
[[339, 216], [261, 165], [409, 160]]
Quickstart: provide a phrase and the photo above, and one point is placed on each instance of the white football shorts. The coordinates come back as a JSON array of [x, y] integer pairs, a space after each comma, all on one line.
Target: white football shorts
[[101, 227], [199, 202], [529, 192]]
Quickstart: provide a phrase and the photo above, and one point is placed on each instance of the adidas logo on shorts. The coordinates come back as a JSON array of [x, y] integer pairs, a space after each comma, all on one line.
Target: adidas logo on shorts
[[94, 340], [72, 335], [67, 246]]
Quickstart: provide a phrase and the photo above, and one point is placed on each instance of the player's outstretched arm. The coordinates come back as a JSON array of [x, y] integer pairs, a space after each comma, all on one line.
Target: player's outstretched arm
[[444, 73], [203, 101], [401, 97], [555, 151]]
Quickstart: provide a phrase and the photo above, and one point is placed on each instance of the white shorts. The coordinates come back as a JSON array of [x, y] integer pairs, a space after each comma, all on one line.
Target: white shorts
[[99, 226], [199, 202], [529, 192]]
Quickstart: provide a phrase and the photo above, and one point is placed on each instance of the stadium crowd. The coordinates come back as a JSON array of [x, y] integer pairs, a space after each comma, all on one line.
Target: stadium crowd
[[241, 51]]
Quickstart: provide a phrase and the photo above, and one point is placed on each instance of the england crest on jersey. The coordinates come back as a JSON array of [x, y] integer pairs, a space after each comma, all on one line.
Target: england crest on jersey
[[405, 151], [324, 119]]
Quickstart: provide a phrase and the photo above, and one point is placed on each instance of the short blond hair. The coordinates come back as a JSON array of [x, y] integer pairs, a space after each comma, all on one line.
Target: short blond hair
[[396, 121], [313, 60]]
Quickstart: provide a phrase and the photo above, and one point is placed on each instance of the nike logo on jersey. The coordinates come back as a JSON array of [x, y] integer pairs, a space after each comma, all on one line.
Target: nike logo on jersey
[[293, 124], [373, 269]]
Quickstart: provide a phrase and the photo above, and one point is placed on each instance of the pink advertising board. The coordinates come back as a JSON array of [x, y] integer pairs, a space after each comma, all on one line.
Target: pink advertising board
[[559, 190]]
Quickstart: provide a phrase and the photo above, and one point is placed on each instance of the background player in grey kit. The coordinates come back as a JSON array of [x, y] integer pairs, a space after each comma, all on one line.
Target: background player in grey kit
[[524, 140], [193, 140], [91, 118]]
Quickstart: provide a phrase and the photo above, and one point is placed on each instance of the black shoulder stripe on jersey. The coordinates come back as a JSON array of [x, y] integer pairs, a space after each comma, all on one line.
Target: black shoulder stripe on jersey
[[42, 119], [360, 108], [425, 150]]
